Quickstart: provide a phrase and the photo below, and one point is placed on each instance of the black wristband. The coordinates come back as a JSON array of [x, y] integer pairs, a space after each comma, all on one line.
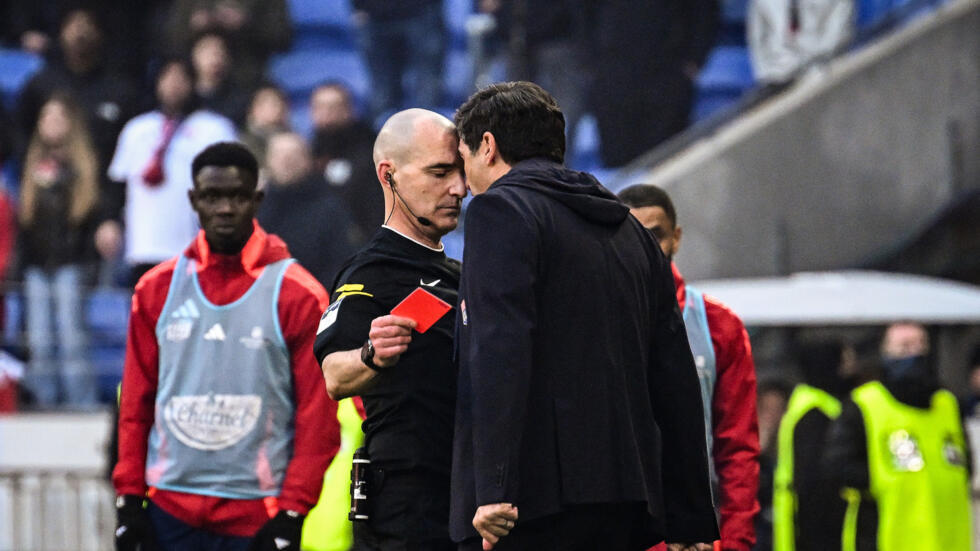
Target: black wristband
[[367, 356]]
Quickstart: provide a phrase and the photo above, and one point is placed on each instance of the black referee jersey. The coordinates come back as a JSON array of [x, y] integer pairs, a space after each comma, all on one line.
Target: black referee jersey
[[410, 407]]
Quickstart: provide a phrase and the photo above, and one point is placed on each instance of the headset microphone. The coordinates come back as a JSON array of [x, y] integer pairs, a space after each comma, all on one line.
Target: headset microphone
[[420, 219]]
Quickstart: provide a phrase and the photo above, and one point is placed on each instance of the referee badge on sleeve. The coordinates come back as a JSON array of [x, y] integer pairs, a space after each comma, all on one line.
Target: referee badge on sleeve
[[328, 317]]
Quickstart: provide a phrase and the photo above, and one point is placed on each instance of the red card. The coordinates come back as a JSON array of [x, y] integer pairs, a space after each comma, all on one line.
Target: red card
[[423, 307]]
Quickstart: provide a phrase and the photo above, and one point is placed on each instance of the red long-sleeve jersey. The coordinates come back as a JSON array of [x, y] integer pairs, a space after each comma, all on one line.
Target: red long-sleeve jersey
[[735, 422], [224, 279]]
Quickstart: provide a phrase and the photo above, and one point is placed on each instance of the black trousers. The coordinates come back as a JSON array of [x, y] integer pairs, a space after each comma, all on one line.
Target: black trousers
[[606, 527], [366, 539]]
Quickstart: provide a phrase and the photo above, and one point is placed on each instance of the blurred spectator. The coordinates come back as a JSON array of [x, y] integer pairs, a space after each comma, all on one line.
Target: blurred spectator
[[647, 58], [343, 149], [213, 82], [773, 395], [302, 210], [33, 26], [397, 38], [30, 25], [58, 196], [787, 35], [255, 29], [107, 98], [972, 408], [899, 456], [152, 157], [808, 512], [545, 43], [268, 115]]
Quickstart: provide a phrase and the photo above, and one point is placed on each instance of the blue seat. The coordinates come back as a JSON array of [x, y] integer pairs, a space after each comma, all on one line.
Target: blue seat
[[13, 306], [16, 67], [299, 115], [320, 13], [107, 364], [107, 315], [458, 76], [734, 11], [727, 68], [299, 71], [707, 104], [455, 13], [323, 39], [873, 12], [584, 153], [732, 29]]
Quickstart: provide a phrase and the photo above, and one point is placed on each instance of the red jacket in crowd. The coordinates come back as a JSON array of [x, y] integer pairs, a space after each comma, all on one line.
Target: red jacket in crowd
[[224, 279]]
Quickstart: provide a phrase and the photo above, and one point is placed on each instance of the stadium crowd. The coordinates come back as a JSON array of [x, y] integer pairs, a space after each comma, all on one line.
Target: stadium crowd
[[96, 143]]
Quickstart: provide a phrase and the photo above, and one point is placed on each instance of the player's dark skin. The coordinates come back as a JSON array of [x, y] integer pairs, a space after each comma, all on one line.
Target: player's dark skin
[[225, 199]]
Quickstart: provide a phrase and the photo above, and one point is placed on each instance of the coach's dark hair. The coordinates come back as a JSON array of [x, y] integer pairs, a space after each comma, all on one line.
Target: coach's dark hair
[[225, 154], [523, 118], [649, 195]]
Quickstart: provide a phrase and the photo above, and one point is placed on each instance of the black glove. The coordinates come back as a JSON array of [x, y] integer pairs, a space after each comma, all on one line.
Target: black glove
[[281, 533], [133, 529]]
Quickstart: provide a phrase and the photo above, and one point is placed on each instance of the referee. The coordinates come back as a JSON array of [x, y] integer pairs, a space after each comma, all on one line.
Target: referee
[[407, 379]]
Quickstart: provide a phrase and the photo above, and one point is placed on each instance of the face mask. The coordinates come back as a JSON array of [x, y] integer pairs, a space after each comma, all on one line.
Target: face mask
[[909, 367]]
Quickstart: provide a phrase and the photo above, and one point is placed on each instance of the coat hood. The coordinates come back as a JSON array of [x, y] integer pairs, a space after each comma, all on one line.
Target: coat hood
[[579, 191], [260, 250]]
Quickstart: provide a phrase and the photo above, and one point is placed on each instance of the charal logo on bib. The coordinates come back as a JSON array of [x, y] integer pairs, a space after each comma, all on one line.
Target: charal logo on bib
[[214, 421]]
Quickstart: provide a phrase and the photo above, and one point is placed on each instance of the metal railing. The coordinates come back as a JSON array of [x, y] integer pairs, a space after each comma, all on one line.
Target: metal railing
[[54, 510]]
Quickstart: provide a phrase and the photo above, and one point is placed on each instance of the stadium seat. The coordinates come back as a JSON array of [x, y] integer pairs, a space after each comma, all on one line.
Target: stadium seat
[[727, 68], [299, 114], [455, 13], [732, 30], [13, 318], [873, 12], [300, 70], [458, 77], [107, 364], [584, 154], [15, 68], [320, 13], [733, 11], [709, 103], [106, 316]]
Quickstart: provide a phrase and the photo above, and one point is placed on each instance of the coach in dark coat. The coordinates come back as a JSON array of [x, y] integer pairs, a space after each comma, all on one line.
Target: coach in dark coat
[[579, 422]]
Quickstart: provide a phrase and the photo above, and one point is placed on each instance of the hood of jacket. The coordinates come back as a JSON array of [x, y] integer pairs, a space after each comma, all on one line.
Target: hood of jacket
[[579, 191], [260, 250]]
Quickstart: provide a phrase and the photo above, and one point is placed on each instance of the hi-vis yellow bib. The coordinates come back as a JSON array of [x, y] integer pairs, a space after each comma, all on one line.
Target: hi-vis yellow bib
[[326, 527], [917, 463]]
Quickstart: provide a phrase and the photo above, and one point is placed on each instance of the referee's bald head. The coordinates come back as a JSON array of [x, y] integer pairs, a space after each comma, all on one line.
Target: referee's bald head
[[395, 139]]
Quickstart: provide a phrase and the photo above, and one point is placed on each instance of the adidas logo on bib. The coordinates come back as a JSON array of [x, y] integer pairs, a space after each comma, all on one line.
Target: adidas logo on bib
[[216, 333]]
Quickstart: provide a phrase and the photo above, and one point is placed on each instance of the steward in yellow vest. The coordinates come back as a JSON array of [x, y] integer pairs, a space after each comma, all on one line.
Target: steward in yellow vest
[[900, 457], [785, 501], [808, 512]]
